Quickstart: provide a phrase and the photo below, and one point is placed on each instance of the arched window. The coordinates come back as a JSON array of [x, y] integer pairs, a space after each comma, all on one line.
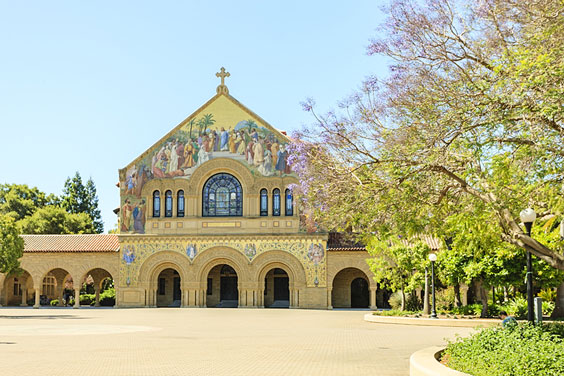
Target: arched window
[[222, 197], [168, 204], [263, 202], [180, 204], [289, 203], [156, 204], [276, 202]]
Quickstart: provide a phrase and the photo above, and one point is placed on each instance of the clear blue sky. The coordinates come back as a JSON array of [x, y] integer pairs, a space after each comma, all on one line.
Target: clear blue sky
[[88, 86]]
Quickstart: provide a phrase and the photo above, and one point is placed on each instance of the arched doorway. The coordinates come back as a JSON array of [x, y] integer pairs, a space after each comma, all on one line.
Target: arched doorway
[[57, 288], [169, 293], [19, 290], [98, 288], [222, 287], [277, 289], [350, 289]]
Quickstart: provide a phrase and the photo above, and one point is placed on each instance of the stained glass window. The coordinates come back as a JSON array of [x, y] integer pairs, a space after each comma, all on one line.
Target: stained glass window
[[168, 204], [222, 197], [180, 204], [289, 203], [263, 202], [276, 202], [156, 204]]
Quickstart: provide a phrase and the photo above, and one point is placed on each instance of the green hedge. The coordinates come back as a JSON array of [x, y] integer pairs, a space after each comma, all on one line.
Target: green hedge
[[521, 350]]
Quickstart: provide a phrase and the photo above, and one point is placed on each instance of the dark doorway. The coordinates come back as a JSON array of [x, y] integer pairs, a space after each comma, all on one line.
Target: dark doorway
[[359, 293], [281, 288], [176, 288], [228, 288]]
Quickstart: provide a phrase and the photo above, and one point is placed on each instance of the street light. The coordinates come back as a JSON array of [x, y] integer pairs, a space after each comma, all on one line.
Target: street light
[[528, 216], [433, 258]]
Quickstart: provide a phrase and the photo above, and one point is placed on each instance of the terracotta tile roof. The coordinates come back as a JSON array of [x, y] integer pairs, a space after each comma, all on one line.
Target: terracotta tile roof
[[71, 243], [345, 242]]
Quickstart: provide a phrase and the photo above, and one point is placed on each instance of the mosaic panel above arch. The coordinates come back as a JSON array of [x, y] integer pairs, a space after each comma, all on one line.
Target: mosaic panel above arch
[[310, 253]]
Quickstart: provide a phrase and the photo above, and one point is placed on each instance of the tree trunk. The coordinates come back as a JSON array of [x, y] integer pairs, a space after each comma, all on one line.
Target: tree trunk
[[482, 296], [559, 307], [457, 300], [426, 309], [505, 294], [402, 300]]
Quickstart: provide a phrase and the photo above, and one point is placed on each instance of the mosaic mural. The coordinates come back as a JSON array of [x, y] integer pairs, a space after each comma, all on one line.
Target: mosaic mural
[[196, 142], [311, 255]]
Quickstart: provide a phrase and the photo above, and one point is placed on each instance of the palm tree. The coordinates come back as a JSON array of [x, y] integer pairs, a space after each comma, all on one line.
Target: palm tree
[[191, 123], [206, 121]]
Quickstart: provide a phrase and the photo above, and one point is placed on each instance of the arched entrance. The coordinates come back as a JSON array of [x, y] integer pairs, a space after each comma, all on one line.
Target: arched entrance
[[56, 288], [98, 288], [222, 287], [169, 293], [19, 290], [276, 289], [350, 289]]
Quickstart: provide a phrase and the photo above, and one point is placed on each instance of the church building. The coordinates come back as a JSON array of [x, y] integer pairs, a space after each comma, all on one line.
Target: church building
[[207, 218]]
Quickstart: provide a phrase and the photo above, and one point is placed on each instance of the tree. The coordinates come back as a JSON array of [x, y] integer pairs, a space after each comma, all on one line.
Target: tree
[[56, 220], [11, 246], [398, 266], [206, 121], [19, 200], [79, 198], [472, 110]]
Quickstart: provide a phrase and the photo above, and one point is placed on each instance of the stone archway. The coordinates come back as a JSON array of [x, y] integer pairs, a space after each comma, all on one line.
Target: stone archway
[[169, 293], [269, 261], [57, 284], [222, 290], [97, 276], [350, 289], [19, 290], [277, 289]]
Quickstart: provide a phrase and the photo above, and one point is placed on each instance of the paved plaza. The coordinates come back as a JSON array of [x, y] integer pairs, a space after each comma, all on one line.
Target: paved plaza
[[207, 342]]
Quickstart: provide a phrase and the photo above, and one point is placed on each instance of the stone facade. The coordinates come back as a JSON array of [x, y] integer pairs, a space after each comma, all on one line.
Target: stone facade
[[213, 192]]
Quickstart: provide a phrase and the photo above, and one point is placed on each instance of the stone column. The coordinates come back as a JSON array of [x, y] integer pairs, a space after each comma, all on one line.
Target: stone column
[[329, 297], [24, 294], [37, 298], [61, 290], [97, 292], [373, 298], [198, 302], [155, 297], [296, 298], [76, 298], [464, 293]]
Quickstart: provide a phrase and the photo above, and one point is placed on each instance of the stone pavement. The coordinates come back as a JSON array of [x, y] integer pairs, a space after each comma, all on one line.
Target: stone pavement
[[197, 341]]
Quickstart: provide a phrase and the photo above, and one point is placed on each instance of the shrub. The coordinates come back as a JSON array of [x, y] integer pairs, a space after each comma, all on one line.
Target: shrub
[[444, 299], [395, 300], [523, 350], [54, 302], [394, 312], [547, 307], [108, 297], [87, 299], [548, 295], [413, 303], [468, 310], [516, 307]]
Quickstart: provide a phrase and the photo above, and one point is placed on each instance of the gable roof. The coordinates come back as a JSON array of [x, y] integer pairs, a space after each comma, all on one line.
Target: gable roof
[[196, 113], [71, 243]]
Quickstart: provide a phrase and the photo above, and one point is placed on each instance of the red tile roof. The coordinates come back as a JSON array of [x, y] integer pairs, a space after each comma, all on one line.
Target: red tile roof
[[71, 243]]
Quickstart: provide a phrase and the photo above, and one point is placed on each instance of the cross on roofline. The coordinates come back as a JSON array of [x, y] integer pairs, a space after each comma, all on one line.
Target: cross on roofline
[[222, 88]]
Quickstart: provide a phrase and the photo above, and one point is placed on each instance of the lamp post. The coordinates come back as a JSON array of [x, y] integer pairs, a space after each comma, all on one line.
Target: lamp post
[[528, 216], [433, 258]]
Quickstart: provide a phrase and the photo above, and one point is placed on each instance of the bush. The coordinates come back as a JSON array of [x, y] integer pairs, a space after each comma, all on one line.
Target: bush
[[468, 310], [54, 302], [547, 308], [87, 299], [548, 295], [444, 299], [413, 303], [395, 300], [516, 307], [524, 350], [108, 297], [394, 312]]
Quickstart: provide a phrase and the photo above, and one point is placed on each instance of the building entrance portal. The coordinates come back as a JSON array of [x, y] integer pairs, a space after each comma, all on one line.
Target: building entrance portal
[[223, 290], [277, 289], [168, 291], [359, 293]]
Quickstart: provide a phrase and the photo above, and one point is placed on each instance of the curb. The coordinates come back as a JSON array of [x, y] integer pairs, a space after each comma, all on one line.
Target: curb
[[462, 323], [425, 363]]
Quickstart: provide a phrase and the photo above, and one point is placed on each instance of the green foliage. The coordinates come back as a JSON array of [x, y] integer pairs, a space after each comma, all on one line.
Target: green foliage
[[11, 246], [79, 198], [398, 266], [468, 310], [395, 301], [108, 297], [516, 307], [397, 312], [87, 299], [548, 295], [19, 200], [444, 299], [523, 350], [55, 220], [54, 302]]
